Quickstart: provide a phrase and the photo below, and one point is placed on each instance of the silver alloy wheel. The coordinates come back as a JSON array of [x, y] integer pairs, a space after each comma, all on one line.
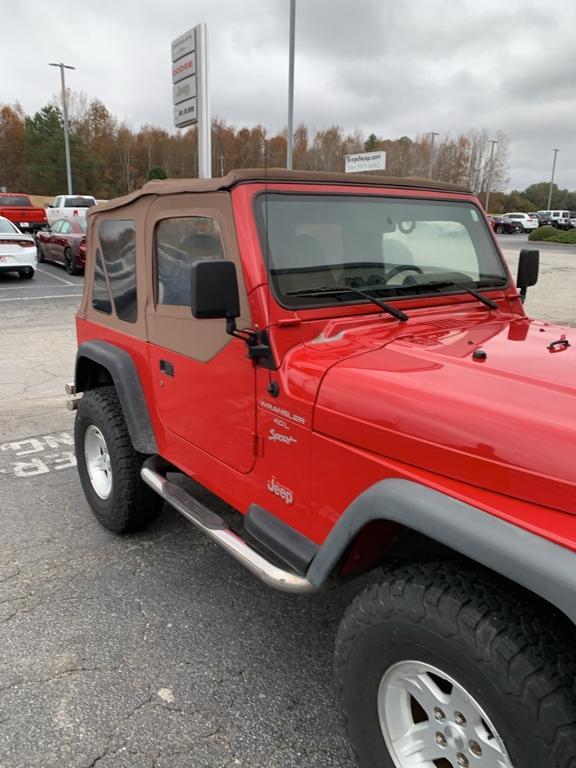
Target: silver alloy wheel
[[98, 461], [429, 720]]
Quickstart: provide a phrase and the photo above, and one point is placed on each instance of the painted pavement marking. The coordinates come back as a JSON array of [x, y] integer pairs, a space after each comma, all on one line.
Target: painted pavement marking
[[37, 455]]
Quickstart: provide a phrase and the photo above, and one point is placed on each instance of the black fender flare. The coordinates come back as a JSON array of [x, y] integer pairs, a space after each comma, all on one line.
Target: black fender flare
[[124, 375], [544, 568]]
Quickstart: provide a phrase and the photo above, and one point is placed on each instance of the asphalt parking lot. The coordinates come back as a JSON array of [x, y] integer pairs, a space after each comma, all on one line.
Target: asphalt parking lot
[[156, 650]]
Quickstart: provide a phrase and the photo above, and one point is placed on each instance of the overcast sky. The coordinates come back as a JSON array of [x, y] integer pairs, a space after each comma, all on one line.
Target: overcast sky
[[392, 67]]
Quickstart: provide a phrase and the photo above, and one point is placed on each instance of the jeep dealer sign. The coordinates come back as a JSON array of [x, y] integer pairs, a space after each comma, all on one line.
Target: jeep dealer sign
[[184, 85]]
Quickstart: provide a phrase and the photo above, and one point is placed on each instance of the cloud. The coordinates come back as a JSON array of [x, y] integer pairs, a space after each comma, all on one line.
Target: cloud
[[383, 66]]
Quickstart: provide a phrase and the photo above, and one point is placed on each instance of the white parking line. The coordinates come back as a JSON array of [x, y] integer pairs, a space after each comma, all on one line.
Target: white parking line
[[39, 298], [61, 279]]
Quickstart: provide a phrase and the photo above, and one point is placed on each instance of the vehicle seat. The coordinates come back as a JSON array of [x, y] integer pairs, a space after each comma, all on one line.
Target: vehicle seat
[[305, 252]]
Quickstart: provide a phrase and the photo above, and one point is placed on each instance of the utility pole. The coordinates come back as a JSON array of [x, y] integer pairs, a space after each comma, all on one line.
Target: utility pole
[[493, 142], [221, 164], [433, 134], [552, 178], [62, 67], [290, 137]]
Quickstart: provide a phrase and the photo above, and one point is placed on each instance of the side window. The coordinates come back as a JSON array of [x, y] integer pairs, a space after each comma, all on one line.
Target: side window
[[66, 228], [100, 294], [118, 241], [179, 243], [56, 226]]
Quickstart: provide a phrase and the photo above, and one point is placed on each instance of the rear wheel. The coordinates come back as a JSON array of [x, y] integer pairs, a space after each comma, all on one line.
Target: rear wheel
[[69, 262], [109, 466], [499, 229], [26, 273], [448, 667]]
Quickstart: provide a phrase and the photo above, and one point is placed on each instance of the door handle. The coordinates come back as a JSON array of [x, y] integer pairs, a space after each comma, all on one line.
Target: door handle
[[167, 367]]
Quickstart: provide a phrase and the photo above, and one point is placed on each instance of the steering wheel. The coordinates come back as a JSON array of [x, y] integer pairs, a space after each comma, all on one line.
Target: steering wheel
[[406, 227], [401, 268]]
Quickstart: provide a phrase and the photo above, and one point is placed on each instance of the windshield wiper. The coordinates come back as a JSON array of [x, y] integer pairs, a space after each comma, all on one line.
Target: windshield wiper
[[447, 283], [335, 290]]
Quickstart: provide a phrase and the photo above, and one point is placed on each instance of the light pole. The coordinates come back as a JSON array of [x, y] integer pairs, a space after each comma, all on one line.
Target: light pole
[[433, 134], [290, 136], [552, 178], [65, 112], [493, 142]]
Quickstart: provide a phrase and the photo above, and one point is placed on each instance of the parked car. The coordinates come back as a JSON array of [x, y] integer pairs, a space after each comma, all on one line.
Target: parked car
[[69, 207], [62, 243], [528, 223], [19, 209], [17, 250], [557, 218], [352, 371], [503, 226]]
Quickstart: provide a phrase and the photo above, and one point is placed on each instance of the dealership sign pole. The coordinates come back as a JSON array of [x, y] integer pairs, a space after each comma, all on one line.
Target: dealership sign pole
[[190, 91]]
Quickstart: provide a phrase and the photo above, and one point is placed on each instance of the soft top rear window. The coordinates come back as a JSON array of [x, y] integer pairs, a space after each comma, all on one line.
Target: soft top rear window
[[15, 201]]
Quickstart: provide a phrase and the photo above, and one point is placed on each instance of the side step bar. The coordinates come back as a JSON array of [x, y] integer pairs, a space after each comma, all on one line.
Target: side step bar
[[153, 473]]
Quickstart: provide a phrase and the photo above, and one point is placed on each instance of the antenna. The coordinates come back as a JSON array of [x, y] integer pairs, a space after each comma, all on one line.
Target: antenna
[[273, 387]]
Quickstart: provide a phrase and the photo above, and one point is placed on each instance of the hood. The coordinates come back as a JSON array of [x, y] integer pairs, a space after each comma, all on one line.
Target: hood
[[491, 404]]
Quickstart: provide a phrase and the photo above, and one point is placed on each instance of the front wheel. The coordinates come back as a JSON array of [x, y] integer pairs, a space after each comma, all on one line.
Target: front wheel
[[27, 273], [449, 667], [499, 229], [109, 466]]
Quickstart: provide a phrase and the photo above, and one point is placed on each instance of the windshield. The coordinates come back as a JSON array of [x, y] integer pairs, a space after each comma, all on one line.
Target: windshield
[[394, 247], [79, 202]]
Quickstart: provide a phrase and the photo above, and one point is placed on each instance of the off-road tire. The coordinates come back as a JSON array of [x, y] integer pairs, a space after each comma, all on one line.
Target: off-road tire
[[513, 654], [131, 505]]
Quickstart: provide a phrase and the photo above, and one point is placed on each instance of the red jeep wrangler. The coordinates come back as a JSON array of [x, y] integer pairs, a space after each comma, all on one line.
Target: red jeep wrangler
[[346, 361]]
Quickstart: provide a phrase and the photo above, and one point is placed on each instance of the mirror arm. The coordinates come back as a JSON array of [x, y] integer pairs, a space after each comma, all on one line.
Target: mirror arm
[[523, 292], [257, 342]]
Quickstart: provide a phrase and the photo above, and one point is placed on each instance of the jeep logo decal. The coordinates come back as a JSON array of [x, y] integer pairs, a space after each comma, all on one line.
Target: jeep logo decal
[[278, 490]]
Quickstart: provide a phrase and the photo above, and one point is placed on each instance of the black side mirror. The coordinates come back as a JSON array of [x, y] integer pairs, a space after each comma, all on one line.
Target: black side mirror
[[528, 268], [214, 289]]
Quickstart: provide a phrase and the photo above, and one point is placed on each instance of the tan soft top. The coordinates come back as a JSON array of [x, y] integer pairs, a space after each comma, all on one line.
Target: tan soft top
[[173, 186]]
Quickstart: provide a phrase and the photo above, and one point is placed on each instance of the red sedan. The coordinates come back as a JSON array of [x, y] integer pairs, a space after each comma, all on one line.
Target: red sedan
[[62, 243]]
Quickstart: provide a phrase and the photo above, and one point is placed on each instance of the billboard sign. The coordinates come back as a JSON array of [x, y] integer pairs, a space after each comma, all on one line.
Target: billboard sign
[[366, 161]]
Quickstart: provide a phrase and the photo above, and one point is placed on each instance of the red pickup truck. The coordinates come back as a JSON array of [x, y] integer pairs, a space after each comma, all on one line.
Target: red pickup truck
[[17, 208], [346, 361]]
